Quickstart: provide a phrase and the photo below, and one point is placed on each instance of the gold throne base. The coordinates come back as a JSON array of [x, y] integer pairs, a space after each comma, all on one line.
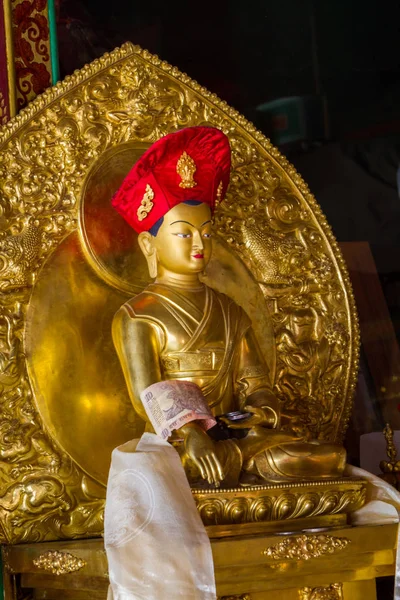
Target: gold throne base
[[341, 564], [279, 507], [265, 540]]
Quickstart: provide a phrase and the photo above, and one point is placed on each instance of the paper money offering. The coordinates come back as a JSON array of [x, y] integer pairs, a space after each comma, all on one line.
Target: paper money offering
[[171, 404]]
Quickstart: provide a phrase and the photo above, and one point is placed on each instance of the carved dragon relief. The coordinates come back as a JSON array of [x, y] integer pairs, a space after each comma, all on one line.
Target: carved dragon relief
[[45, 154], [281, 244]]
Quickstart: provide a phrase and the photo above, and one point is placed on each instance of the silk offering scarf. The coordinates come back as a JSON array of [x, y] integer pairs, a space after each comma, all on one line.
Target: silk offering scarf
[[382, 506], [156, 543]]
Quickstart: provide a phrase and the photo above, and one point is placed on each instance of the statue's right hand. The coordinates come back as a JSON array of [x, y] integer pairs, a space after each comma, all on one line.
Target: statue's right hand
[[201, 450]]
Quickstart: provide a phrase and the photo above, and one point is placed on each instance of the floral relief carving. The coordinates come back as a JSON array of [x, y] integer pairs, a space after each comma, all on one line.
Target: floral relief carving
[[306, 547], [330, 592], [59, 563]]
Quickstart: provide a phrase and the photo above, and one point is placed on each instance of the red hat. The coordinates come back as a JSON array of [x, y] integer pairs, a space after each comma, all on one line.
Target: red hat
[[191, 164]]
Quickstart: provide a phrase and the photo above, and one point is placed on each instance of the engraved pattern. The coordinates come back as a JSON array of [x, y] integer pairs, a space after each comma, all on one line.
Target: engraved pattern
[[390, 468], [276, 504], [3, 110], [146, 205], [130, 489], [305, 547], [289, 258], [59, 563], [45, 154], [17, 257], [186, 168], [330, 592], [192, 361], [32, 48], [218, 198]]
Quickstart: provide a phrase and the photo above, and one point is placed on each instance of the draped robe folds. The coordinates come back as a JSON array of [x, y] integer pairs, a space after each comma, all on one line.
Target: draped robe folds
[[215, 348]]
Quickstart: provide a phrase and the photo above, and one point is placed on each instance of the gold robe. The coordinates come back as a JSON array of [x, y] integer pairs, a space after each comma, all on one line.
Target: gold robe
[[162, 334], [214, 348]]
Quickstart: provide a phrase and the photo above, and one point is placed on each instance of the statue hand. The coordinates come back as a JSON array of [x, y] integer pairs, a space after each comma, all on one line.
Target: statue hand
[[201, 449], [262, 416]]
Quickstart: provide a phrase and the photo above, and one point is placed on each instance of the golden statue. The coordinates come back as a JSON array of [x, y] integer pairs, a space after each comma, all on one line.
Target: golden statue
[[64, 274], [180, 329], [69, 261]]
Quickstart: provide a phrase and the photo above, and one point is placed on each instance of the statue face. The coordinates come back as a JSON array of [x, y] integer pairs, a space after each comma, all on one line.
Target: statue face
[[183, 242]]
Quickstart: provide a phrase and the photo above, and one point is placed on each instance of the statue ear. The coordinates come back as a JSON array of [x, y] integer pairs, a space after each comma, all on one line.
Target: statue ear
[[146, 244]]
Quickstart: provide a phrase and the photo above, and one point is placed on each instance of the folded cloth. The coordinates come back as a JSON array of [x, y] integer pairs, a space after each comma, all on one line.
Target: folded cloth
[[382, 502], [382, 506], [157, 547]]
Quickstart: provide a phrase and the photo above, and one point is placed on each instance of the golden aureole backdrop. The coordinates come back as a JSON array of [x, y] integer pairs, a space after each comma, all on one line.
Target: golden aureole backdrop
[[68, 261]]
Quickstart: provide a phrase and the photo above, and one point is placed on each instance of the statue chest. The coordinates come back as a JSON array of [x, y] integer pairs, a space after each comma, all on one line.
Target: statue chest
[[198, 350]]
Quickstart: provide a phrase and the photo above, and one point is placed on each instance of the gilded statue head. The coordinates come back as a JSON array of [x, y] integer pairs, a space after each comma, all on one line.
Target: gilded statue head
[[169, 197], [182, 243]]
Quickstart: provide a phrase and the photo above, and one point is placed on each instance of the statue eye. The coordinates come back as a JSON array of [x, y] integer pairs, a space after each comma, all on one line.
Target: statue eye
[[183, 235], [206, 235]]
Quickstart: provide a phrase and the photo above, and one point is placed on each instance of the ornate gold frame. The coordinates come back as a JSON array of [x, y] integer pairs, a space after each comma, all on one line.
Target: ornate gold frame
[[270, 220]]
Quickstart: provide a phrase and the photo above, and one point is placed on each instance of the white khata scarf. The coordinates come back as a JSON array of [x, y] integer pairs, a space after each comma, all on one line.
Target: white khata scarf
[[156, 543]]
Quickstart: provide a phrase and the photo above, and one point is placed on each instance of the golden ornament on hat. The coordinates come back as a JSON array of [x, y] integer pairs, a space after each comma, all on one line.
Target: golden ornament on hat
[[186, 168], [146, 204]]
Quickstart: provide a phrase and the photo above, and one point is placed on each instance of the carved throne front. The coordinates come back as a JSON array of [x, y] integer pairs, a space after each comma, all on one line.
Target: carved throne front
[[68, 261]]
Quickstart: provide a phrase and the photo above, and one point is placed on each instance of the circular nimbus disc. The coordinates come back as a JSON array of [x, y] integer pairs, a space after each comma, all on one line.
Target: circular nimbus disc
[[109, 243]]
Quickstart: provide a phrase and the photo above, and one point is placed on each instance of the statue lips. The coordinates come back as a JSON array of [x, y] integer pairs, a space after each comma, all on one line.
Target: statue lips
[[198, 255]]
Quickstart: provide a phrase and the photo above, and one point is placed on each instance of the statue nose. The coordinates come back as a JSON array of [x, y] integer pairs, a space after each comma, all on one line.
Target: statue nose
[[198, 241]]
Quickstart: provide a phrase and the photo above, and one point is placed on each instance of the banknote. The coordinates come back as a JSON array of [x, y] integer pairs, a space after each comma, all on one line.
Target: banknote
[[171, 404]]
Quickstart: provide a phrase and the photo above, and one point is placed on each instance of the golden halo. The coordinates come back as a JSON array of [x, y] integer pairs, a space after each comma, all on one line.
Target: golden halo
[[109, 243]]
